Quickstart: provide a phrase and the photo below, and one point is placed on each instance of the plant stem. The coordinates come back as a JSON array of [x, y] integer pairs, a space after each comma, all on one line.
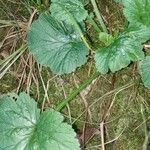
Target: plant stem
[[71, 97], [77, 27], [81, 34], [93, 23], [98, 15]]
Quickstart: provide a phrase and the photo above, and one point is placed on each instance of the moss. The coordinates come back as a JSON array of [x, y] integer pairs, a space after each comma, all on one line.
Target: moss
[[8, 83]]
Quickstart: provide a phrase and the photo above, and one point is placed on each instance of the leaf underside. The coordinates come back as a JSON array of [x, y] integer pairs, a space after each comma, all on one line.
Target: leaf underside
[[56, 45], [22, 127], [145, 71]]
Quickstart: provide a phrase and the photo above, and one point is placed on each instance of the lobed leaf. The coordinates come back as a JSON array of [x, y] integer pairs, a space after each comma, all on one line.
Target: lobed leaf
[[62, 9], [126, 48], [137, 11], [145, 71], [22, 127], [140, 33], [56, 45]]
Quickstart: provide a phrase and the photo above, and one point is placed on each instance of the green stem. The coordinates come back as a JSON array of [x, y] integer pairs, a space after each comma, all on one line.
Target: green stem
[[77, 27], [93, 23], [99, 17], [71, 97]]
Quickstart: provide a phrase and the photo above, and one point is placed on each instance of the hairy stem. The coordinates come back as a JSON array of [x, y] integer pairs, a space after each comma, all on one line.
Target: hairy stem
[[71, 97], [99, 16]]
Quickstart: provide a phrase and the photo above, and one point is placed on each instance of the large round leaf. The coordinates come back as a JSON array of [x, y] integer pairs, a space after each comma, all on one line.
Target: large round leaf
[[145, 71], [137, 11], [62, 9], [56, 45], [126, 48], [22, 127]]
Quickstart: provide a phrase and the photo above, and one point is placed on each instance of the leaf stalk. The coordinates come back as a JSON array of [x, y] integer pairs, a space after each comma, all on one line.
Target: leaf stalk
[[77, 27], [99, 16], [75, 92]]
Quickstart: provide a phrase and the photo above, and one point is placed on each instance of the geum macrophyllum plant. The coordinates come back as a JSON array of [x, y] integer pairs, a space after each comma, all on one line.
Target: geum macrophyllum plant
[[24, 127], [58, 40]]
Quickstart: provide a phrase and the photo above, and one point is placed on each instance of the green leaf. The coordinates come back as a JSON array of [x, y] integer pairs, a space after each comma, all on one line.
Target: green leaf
[[85, 2], [119, 1], [56, 45], [62, 9], [145, 71], [126, 48], [22, 127], [137, 11], [106, 38], [138, 32]]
